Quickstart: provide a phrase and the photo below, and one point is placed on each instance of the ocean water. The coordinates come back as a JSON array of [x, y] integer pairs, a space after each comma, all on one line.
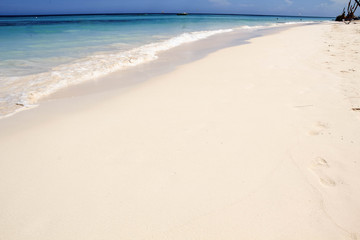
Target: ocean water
[[42, 54]]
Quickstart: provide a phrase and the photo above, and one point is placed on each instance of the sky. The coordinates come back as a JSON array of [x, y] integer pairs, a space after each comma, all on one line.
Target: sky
[[267, 7]]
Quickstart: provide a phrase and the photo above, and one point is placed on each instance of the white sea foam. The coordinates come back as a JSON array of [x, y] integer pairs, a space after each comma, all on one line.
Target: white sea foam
[[273, 25], [25, 91]]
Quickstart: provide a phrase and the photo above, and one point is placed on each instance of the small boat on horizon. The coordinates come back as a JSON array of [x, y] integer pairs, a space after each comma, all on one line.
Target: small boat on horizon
[[182, 14]]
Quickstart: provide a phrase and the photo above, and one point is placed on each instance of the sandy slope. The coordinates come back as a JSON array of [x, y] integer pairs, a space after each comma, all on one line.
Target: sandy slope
[[252, 142]]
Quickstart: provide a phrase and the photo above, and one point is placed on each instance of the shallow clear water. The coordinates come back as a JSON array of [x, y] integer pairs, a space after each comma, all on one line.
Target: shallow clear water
[[39, 55]]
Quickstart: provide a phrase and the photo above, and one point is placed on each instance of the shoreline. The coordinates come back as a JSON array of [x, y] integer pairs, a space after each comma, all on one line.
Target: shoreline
[[167, 62], [256, 141], [164, 62]]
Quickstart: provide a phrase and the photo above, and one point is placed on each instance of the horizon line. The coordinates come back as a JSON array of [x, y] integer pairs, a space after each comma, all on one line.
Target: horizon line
[[160, 13]]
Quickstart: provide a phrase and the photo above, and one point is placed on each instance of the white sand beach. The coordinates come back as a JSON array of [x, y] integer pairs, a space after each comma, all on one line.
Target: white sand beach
[[256, 141]]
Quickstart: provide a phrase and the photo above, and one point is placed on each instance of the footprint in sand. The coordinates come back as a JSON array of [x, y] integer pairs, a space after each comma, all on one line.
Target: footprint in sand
[[327, 181], [319, 128], [319, 166], [320, 162]]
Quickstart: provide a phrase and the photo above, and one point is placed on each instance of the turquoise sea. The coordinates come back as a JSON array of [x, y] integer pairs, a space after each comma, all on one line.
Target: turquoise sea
[[42, 54]]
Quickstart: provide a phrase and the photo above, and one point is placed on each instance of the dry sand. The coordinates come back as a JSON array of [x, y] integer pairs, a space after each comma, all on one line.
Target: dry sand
[[256, 141]]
